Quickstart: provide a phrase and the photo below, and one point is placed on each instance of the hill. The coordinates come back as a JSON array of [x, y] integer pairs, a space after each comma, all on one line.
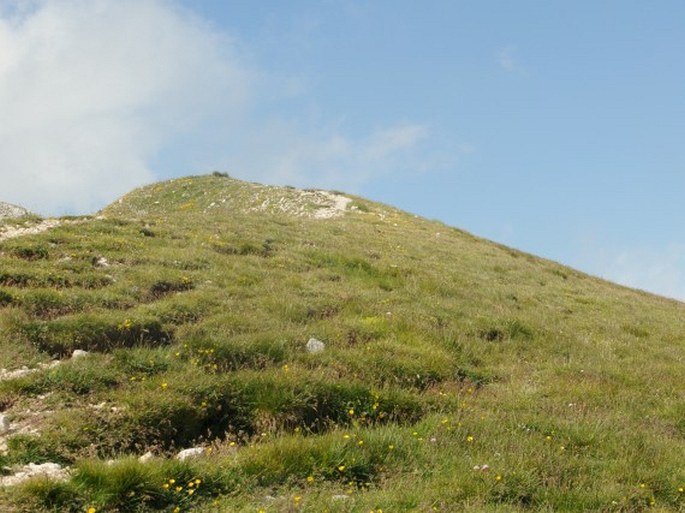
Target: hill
[[321, 352]]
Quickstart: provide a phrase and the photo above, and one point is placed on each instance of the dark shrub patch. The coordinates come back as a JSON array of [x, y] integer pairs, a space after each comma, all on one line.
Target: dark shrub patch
[[164, 287], [6, 298], [508, 330]]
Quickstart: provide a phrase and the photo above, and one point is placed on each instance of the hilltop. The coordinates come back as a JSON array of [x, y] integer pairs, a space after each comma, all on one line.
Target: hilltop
[[317, 351]]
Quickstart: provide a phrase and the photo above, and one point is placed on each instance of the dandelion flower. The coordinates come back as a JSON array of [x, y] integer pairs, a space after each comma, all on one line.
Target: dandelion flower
[[310, 479], [469, 438], [341, 468], [92, 510]]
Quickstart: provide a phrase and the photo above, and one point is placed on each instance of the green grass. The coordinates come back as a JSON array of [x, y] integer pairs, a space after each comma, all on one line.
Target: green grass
[[444, 353]]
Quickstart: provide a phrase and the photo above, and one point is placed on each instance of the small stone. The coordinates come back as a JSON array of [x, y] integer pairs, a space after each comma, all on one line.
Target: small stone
[[340, 497], [146, 457], [315, 346], [193, 452]]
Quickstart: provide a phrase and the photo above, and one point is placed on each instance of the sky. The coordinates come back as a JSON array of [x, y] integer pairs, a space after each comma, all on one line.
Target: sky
[[554, 127]]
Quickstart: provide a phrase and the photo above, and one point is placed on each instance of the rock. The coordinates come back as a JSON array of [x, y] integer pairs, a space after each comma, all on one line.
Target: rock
[[9, 210], [340, 497], [49, 470], [78, 353], [4, 424], [315, 346], [146, 457], [193, 452]]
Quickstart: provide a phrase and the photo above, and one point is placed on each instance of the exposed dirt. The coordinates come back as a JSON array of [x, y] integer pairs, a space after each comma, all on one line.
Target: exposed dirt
[[313, 204]]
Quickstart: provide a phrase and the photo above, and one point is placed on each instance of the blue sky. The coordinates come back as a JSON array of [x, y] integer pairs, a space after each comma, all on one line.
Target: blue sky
[[554, 127]]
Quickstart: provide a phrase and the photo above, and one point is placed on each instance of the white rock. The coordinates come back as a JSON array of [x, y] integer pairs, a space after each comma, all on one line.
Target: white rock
[[78, 353], [193, 452], [49, 470], [146, 457], [4, 424], [340, 497], [315, 346]]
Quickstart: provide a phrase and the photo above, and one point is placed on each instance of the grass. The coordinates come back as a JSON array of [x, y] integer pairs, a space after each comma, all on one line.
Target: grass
[[458, 374]]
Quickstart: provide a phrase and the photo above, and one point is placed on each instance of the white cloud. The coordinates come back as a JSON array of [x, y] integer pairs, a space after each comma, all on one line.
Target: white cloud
[[658, 270], [91, 89], [96, 94]]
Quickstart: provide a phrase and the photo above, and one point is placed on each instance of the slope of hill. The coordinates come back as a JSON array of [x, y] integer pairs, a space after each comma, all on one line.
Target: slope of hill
[[448, 373]]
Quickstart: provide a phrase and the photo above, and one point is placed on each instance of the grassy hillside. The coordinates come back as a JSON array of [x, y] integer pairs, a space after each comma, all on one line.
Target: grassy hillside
[[457, 374]]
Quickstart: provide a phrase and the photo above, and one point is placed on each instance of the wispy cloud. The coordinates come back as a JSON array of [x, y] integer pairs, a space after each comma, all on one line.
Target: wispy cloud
[[508, 59], [94, 94], [324, 156], [659, 270]]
